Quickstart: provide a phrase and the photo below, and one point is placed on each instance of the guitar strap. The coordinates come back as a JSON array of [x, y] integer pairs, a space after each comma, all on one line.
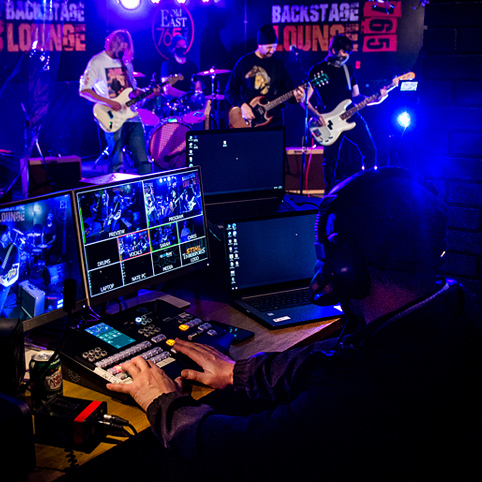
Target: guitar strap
[[347, 75], [126, 73]]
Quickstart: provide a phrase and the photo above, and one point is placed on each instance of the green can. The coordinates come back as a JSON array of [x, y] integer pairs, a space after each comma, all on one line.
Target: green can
[[46, 382]]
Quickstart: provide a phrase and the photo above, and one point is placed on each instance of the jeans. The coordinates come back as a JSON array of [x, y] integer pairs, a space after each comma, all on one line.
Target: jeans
[[130, 135], [361, 137]]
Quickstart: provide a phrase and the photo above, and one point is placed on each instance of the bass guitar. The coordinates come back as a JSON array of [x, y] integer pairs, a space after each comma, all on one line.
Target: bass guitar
[[261, 108], [335, 122], [111, 120]]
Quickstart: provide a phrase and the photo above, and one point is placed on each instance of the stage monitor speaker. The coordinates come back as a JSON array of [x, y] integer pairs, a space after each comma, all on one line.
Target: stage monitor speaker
[[60, 174], [12, 355], [107, 178], [316, 183]]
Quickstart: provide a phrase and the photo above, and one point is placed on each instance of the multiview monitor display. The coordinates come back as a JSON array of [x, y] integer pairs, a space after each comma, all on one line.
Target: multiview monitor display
[[141, 232], [38, 252]]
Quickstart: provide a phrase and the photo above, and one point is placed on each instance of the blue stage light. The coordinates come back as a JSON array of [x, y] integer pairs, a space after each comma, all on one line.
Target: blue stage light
[[404, 119]]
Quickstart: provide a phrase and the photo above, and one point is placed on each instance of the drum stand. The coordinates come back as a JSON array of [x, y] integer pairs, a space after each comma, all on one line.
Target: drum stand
[[215, 98]]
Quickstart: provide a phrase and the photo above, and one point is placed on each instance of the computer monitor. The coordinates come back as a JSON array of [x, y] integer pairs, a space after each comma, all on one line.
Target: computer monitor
[[238, 160], [38, 252], [138, 233]]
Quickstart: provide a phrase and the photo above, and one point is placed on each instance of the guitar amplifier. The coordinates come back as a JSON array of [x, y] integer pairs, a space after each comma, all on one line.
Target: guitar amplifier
[[32, 299], [314, 164], [57, 174]]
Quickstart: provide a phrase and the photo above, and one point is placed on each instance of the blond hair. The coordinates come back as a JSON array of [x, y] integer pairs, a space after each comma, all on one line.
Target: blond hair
[[129, 53]]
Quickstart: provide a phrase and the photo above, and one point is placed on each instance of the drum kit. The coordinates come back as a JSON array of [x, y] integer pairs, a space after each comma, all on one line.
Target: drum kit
[[168, 120]]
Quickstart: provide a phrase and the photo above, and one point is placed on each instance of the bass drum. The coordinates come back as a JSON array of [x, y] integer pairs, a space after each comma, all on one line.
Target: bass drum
[[167, 144]]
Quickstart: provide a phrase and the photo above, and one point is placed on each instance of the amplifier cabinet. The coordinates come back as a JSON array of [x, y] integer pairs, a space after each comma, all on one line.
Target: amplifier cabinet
[[314, 164], [32, 299]]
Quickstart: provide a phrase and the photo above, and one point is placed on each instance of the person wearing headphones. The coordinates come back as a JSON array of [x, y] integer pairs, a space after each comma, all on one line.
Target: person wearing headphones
[[395, 397]]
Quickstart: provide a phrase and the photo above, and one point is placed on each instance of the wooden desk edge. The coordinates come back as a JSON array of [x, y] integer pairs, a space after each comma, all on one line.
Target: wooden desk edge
[[48, 457]]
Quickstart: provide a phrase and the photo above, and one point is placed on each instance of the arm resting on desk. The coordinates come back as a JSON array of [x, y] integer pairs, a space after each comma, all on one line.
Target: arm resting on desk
[[202, 435]]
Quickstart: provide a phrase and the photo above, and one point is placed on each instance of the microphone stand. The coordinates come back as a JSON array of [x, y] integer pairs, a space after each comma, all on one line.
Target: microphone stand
[[304, 140]]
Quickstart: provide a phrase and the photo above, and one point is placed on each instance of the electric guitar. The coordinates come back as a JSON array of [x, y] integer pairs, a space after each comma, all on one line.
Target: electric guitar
[[12, 276], [335, 122], [261, 109], [111, 120]]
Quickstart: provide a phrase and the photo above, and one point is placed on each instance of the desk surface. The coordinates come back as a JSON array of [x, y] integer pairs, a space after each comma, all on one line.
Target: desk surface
[[52, 462]]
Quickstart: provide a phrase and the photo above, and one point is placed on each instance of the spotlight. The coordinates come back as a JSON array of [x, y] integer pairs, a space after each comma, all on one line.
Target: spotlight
[[181, 2], [129, 4], [383, 6], [404, 119]]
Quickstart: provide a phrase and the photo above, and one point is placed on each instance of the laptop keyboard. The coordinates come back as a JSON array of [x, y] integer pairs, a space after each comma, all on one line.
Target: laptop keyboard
[[217, 213], [277, 301]]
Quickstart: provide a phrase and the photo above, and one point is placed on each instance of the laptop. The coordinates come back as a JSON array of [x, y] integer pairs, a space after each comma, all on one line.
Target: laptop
[[269, 262], [243, 173]]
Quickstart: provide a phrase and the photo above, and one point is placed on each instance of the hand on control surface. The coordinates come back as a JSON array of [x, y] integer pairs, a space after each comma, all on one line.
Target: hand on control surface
[[148, 382], [218, 368]]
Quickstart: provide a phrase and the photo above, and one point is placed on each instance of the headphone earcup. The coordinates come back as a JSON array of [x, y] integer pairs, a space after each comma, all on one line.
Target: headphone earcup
[[322, 278], [351, 279]]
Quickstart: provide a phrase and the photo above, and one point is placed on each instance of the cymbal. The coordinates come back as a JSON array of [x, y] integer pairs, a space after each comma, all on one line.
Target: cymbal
[[138, 75], [214, 71], [215, 96]]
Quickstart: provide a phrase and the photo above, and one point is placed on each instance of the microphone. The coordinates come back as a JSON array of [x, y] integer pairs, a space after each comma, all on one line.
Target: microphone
[[294, 49], [120, 54]]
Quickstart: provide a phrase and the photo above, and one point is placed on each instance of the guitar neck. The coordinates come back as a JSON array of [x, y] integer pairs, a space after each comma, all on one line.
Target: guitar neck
[[274, 103], [346, 115], [143, 95]]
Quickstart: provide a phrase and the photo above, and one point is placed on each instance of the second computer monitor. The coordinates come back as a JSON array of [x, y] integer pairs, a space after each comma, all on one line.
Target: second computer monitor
[[238, 160], [38, 253]]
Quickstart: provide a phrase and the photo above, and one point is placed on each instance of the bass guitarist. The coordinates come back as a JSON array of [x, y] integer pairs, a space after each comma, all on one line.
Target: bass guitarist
[[259, 74], [342, 85], [107, 74], [9, 264]]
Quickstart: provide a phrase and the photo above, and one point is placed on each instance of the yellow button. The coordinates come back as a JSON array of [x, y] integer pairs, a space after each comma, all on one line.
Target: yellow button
[[183, 327], [170, 342]]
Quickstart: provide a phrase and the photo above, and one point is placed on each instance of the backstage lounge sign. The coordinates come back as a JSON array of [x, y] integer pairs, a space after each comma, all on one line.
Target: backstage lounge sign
[[42, 25], [309, 27]]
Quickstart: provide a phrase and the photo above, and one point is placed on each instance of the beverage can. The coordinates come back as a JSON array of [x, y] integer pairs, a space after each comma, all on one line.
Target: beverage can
[[46, 377]]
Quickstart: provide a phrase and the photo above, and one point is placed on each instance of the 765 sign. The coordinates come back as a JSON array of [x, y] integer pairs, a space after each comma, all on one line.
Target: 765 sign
[[171, 20]]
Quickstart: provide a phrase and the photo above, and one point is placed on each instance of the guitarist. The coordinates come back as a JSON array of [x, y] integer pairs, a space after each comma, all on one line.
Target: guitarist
[[342, 85], [107, 74], [260, 74], [9, 264]]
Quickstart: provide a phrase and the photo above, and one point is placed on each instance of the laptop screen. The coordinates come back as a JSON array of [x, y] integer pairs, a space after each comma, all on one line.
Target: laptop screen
[[270, 251], [238, 160]]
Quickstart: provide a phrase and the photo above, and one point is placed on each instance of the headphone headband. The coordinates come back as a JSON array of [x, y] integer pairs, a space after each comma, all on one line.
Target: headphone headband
[[376, 218]]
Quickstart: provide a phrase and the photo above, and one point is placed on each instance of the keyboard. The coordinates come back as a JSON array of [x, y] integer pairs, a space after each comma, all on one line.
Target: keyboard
[[276, 301], [218, 213], [93, 354]]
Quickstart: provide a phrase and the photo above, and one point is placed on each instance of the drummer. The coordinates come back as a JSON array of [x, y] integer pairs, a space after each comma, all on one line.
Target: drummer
[[179, 64]]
